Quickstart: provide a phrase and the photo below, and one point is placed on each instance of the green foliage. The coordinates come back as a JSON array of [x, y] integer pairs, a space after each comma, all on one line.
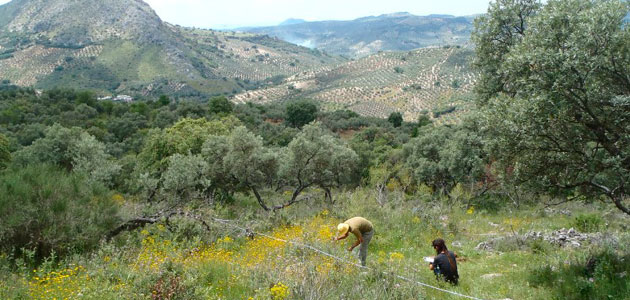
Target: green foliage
[[221, 105], [47, 209], [5, 153], [599, 276], [395, 119], [556, 117], [301, 112], [316, 158], [494, 35], [588, 222], [442, 157], [186, 136], [185, 177], [72, 149]]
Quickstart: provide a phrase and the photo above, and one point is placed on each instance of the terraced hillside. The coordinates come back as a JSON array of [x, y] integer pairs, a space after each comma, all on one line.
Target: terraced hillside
[[124, 47], [437, 80]]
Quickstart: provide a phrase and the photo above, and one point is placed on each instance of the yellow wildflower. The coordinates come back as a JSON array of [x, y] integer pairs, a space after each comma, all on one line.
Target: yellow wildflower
[[279, 291]]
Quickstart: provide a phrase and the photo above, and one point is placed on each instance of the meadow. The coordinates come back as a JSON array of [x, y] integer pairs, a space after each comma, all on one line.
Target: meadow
[[220, 261]]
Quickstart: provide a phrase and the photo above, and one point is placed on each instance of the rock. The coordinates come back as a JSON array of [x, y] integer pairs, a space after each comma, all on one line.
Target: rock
[[491, 275], [456, 244], [493, 224], [485, 246]]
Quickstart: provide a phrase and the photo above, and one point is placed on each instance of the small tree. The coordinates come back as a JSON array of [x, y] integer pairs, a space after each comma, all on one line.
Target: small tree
[[395, 119], [300, 113], [72, 149], [442, 157], [250, 163], [185, 177], [316, 158], [221, 105]]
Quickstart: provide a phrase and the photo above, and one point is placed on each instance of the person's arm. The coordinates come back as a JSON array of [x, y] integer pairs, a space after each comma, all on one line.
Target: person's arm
[[358, 242], [431, 267], [341, 237]]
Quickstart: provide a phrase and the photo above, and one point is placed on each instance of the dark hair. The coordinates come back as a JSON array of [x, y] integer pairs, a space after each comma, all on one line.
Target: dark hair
[[440, 245]]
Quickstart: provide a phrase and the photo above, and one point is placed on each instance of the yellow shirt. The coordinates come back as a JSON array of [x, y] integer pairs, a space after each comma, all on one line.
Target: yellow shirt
[[359, 225]]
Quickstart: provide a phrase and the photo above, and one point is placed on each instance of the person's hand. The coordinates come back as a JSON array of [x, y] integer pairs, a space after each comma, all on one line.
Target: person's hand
[[350, 249]]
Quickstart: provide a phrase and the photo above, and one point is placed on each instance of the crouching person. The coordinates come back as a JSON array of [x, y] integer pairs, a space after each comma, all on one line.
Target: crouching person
[[362, 230], [444, 265]]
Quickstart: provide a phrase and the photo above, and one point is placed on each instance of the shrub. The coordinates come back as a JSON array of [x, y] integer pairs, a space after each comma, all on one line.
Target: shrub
[[599, 276], [300, 113], [221, 105], [395, 119], [47, 209], [5, 154], [588, 222]]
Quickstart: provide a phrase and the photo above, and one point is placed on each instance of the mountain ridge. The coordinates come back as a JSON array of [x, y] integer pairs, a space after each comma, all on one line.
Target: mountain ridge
[[122, 46], [360, 37]]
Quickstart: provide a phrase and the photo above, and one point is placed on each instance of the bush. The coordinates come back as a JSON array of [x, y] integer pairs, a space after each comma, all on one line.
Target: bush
[[5, 154], [600, 276], [221, 105], [46, 209], [395, 119], [588, 223], [300, 113]]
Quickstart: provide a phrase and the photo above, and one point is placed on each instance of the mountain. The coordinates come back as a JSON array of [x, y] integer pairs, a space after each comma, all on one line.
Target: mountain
[[436, 80], [292, 22], [369, 35], [122, 46]]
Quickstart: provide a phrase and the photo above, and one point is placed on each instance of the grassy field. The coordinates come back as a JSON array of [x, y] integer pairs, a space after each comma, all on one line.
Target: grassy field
[[185, 260]]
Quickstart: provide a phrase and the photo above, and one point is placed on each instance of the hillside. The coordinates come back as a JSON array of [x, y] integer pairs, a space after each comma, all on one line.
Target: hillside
[[434, 80], [364, 36], [124, 47]]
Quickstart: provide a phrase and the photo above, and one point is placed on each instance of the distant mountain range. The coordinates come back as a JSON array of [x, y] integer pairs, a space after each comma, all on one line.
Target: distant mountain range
[[122, 46], [369, 35]]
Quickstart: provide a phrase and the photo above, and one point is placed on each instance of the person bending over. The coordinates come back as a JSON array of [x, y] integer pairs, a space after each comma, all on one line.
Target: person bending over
[[362, 229], [444, 264]]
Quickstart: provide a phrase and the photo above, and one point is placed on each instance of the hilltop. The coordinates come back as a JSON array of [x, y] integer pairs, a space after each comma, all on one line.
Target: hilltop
[[368, 35], [116, 46]]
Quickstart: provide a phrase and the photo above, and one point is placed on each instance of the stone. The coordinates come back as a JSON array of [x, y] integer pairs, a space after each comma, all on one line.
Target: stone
[[491, 275]]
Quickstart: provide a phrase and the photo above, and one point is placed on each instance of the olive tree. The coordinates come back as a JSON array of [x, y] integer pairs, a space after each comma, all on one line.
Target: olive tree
[[185, 177], [316, 158], [73, 149], [251, 164], [185, 137], [494, 35], [563, 126], [441, 157], [301, 112]]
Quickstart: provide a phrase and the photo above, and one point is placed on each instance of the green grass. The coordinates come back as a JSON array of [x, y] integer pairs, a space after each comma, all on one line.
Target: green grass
[[155, 260]]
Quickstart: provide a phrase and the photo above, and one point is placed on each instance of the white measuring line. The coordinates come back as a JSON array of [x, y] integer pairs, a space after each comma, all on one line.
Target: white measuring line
[[344, 261]]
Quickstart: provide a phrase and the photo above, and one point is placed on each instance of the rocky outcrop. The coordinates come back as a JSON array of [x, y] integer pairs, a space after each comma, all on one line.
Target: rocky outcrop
[[561, 238]]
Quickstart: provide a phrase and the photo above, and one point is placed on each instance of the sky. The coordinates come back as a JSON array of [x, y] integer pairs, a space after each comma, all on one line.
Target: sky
[[223, 14]]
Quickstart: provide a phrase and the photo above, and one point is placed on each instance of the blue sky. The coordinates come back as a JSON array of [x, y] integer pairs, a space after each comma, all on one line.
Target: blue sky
[[222, 14]]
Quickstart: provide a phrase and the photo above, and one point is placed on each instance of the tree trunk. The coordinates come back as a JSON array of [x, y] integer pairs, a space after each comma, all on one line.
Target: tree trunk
[[328, 196], [380, 188], [259, 198]]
